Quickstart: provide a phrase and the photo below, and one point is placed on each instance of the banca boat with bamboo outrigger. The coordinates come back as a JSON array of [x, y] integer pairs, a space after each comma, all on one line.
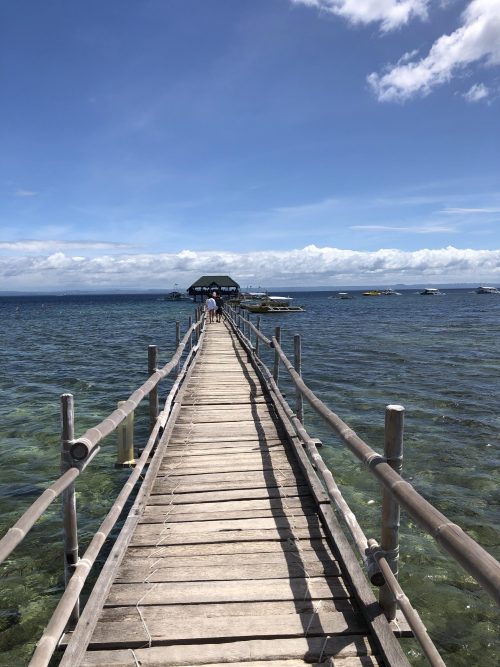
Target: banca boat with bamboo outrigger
[[271, 304]]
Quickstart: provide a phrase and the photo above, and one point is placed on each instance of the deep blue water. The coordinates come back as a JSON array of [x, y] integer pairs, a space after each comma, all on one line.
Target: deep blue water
[[437, 356]]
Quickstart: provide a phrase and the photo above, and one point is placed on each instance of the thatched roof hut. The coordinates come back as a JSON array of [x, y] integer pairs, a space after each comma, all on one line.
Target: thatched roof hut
[[223, 285]]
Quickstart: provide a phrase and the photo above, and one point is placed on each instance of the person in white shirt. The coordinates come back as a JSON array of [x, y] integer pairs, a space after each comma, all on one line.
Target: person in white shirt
[[211, 307]]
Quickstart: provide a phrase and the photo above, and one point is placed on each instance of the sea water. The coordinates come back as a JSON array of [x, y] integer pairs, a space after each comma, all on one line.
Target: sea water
[[437, 356]]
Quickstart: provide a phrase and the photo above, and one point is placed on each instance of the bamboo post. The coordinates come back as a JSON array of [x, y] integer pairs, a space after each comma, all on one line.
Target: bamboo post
[[299, 409], [70, 526], [257, 339], [393, 453], [177, 343], [154, 405], [276, 369], [125, 434]]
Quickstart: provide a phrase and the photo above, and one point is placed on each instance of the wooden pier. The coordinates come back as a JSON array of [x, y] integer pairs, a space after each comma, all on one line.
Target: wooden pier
[[232, 552], [232, 559]]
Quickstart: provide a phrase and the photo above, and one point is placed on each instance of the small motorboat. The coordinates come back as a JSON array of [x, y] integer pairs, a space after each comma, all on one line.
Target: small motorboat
[[372, 292], [390, 292], [483, 289], [431, 291], [177, 296]]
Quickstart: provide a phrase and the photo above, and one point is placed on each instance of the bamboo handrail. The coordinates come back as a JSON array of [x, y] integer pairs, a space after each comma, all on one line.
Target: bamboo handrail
[[84, 445], [411, 615], [55, 628], [469, 554], [16, 534]]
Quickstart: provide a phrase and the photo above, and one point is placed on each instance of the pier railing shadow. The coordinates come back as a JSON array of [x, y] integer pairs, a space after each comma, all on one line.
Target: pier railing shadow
[[381, 563]]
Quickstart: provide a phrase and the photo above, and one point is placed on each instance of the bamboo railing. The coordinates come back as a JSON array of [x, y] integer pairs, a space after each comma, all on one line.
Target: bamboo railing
[[397, 493], [75, 457]]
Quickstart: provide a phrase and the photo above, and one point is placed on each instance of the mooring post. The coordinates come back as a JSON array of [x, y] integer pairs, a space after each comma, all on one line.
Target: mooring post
[[190, 324], [393, 453], [257, 339], [125, 437], [276, 369], [177, 343], [299, 403], [154, 405], [70, 527]]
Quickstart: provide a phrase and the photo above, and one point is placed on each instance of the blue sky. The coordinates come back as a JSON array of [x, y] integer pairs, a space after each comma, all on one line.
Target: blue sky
[[284, 142]]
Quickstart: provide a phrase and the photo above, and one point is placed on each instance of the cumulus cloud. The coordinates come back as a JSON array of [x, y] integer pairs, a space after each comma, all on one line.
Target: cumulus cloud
[[307, 266], [477, 40], [390, 14]]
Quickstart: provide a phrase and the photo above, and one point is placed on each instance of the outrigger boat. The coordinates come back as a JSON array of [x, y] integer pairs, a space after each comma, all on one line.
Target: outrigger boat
[[271, 304]]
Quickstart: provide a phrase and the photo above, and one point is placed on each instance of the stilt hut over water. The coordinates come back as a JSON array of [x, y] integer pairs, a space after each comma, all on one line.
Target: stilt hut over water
[[223, 285]]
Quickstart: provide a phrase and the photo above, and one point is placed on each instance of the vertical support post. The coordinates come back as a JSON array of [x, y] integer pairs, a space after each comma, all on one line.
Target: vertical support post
[[276, 369], [257, 339], [154, 405], [190, 324], [299, 403], [177, 343], [393, 452], [125, 435], [70, 527], [197, 329]]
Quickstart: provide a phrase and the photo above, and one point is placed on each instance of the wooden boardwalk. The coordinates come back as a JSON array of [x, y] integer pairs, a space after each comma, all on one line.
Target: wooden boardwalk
[[230, 560]]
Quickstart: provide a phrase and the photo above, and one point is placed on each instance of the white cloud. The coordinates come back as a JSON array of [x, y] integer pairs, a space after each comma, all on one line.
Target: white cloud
[[477, 92], [310, 265], [476, 41], [390, 14], [37, 246], [466, 211], [25, 193], [415, 229]]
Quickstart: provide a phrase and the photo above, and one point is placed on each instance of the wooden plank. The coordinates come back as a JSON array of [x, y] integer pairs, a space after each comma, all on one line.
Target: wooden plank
[[310, 649], [202, 508], [314, 588], [223, 449], [217, 609], [211, 496], [237, 478], [208, 459], [161, 628], [192, 484], [153, 571], [304, 558], [166, 513], [150, 535], [226, 525], [304, 545]]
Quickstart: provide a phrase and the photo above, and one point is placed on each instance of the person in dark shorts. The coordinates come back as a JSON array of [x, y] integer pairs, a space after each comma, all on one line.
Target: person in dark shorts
[[219, 303]]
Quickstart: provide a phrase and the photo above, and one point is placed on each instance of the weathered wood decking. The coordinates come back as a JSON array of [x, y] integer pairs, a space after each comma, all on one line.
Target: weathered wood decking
[[230, 561]]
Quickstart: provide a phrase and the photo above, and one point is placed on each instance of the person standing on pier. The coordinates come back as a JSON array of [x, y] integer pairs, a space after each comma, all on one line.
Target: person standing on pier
[[211, 307], [219, 303]]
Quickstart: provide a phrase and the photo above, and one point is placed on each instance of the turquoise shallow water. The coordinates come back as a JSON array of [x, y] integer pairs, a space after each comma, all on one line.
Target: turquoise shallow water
[[437, 356]]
